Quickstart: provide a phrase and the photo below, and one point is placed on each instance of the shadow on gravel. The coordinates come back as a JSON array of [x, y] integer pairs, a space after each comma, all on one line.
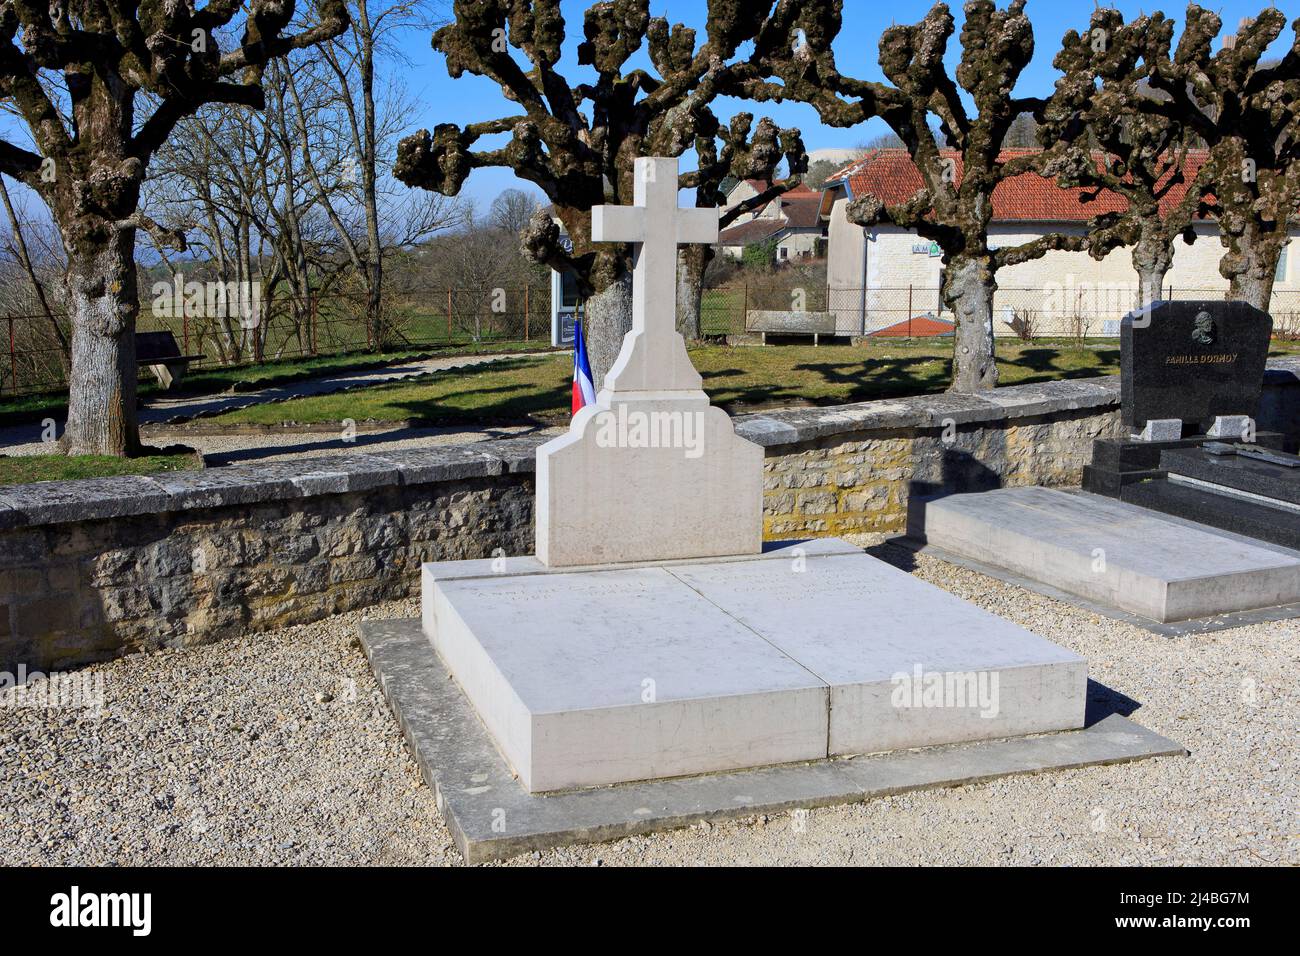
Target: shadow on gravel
[[898, 555], [1103, 701]]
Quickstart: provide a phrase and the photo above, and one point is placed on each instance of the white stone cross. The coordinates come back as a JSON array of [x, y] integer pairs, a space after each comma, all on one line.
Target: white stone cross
[[653, 357]]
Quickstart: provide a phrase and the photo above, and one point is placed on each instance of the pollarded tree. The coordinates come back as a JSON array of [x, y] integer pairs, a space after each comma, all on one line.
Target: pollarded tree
[[1103, 141], [741, 157], [577, 141], [1247, 110], [74, 72], [954, 206]]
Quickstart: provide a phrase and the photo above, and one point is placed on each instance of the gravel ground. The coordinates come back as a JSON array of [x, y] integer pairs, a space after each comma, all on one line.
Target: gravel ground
[[277, 748]]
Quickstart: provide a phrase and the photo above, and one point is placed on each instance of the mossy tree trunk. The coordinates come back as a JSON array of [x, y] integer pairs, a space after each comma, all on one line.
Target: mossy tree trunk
[[960, 164], [89, 171], [1152, 258], [102, 298], [1243, 104], [1101, 140], [578, 142], [692, 262], [968, 289]]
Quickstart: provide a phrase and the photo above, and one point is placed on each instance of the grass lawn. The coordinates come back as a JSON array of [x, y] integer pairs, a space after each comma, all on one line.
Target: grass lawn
[[248, 378], [738, 378], [19, 470]]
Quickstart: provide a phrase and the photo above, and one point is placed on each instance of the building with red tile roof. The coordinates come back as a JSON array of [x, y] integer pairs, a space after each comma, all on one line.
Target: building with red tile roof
[[882, 276], [891, 176]]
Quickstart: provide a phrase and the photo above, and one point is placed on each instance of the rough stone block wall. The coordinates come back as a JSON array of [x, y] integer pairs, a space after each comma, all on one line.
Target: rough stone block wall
[[75, 592], [863, 482]]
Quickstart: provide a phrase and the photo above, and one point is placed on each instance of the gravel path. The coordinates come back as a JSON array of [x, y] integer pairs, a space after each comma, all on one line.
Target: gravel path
[[291, 445], [277, 748], [26, 439]]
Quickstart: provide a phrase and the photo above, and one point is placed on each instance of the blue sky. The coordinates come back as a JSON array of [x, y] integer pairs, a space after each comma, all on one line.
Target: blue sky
[[440, 99], [472, 98]]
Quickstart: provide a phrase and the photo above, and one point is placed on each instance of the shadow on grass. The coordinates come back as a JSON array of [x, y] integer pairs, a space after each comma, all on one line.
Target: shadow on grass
[[1045, 363], [1038, 360], [837, 382], [506, 402]]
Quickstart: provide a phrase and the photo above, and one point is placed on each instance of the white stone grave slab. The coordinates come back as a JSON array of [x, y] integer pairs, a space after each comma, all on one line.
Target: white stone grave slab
[[600, 677], [858, 623]]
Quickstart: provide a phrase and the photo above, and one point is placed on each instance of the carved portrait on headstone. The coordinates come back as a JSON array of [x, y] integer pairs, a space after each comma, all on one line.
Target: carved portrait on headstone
[[1203, 329]]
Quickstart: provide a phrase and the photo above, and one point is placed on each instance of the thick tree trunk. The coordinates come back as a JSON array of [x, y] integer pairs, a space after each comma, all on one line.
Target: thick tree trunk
[[1255, 289], [968, 290], [1254, 215], [1152, 259], [692, 261], [1251, 265], [607, 318], [104, 302]]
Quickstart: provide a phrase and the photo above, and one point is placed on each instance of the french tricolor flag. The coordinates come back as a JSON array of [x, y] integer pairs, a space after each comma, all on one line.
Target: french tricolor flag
[[584, 392]]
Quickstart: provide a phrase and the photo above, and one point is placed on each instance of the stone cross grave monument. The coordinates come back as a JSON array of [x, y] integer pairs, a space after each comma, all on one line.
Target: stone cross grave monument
[[652, 471], [653, 636]]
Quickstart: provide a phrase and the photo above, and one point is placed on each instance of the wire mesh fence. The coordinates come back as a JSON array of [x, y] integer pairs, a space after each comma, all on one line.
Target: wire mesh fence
[[1062, 311], [289, 327]]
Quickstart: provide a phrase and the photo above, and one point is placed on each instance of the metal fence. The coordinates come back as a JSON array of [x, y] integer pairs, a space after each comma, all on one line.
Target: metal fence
[[289, 327], [1069, 311]]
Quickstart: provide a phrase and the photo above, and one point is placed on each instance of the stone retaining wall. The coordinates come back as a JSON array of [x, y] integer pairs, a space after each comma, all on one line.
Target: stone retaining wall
[[90, 569], [107, 566], [859, 475]]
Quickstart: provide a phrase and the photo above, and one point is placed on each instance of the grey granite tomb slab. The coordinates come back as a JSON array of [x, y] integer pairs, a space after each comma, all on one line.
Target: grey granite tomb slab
[[492, 817], [1277, 484], [1109, 551]]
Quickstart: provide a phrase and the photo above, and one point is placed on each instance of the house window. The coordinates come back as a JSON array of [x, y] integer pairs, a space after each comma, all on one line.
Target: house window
[[1280, 275], [783, 253]]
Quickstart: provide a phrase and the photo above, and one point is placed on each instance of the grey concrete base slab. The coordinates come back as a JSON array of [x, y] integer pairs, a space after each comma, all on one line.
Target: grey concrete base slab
[[610, 675], [1109, 551], [492, 817]]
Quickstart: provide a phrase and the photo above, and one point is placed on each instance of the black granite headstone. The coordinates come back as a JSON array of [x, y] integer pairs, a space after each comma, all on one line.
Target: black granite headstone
[[1192, 360]]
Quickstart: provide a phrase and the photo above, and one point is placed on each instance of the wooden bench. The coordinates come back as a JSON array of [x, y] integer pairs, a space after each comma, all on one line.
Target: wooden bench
[[158, 352]]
